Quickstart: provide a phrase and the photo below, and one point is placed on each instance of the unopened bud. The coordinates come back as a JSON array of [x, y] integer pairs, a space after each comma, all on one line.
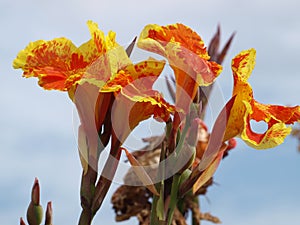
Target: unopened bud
[[49, 216], [35, 211], [22, 221], [231, 144], [35, 194]]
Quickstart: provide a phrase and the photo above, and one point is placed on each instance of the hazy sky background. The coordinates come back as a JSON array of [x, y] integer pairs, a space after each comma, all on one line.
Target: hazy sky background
[[36, 126]]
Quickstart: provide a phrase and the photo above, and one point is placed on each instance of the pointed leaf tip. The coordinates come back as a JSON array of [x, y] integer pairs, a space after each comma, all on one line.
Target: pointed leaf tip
[[214, 44], [130, 47], [224, 51], [22, 221], [141, 173]]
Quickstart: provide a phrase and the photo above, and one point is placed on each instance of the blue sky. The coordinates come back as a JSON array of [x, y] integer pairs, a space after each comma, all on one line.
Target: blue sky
[[36, 126]]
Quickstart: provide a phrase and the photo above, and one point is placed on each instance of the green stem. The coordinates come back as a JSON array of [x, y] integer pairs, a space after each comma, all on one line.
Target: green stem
[[182, 137], [107, 176], [153, 217], [195, 221], [173, 198], [86, 217], [88, 181]]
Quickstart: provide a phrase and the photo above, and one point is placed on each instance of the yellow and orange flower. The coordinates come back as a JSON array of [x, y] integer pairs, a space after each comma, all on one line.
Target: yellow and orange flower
[[135, 99], [187, 56], [246, 108], [60, 65], [96, 74]]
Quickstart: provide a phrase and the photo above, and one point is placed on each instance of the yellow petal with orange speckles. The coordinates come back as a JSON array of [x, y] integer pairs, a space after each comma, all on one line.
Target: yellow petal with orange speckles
[[142, 75], [246, 108], [53, 62], [59, 64], [187, 56], [242, 66], [132, 106], [155, 38], [277, 130]]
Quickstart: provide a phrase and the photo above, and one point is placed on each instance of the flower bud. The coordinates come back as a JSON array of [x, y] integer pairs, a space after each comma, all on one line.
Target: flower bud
[[22, 221], [35, 194], [35, 210], [49, 216], [232, 143]]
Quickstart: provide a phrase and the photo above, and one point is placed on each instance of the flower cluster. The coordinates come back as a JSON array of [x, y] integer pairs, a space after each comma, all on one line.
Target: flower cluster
[[113, 95]]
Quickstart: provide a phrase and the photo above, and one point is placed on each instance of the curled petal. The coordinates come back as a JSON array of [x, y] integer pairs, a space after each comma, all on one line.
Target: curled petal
[[106, 68], [246, 108], [274, 113], [149, 69], [132, 107], [148, 106], [242, 66], [187, 56], [142, 75], [91, 49], [51, 61], [155, 38], [276, 117], [59, 64]]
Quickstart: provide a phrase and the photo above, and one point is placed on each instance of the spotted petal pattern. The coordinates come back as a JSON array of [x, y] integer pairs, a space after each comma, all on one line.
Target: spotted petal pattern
[[59, 64], [246, 108], [187, 56]]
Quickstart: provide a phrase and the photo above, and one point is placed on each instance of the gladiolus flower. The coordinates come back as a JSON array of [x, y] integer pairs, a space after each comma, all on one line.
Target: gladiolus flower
[[246, 108]]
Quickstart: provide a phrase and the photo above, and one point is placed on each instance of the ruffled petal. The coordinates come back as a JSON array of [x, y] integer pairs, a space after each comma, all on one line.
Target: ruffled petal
[[132, 107], [275, 113], [59, 64], [142, 75], [276, 118], [275, 134], [155, 38], [58, 59], [187, 56], [242, 66], [96, 45], [135, 100], [246, 108]]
